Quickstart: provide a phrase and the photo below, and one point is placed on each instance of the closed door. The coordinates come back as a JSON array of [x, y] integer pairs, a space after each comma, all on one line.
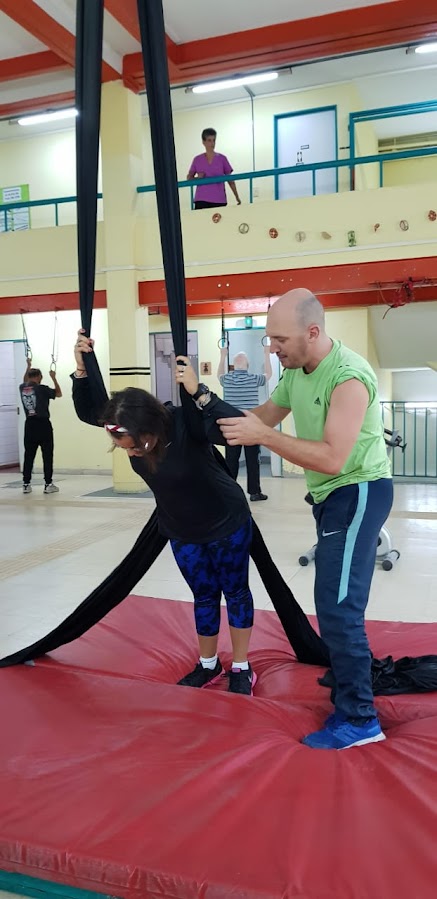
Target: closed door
[[301, 139], [163, 365], [9, 409]]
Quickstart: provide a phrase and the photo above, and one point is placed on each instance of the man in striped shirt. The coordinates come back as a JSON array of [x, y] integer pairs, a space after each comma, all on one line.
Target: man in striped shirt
[[241, 389]]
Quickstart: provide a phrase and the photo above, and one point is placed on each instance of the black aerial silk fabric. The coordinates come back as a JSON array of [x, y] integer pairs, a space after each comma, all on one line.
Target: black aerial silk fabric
[[406, 675], [307, 644], [89, 40], [391, 677], [152, 29]]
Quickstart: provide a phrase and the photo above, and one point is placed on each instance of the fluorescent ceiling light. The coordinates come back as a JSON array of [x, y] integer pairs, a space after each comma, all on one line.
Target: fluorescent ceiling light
[[426, 48], [43, 117], [234, 82]]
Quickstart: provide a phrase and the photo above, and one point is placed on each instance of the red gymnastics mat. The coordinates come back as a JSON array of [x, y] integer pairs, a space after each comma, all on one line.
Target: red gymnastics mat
[[115, 780]]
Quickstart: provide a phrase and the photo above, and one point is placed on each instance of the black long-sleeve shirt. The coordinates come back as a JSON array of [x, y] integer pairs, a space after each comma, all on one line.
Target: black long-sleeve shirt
[[197, 500]]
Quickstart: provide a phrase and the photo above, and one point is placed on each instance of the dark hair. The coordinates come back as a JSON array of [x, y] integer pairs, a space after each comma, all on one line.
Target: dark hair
[[34, 373], [141, 414], [208, 132]]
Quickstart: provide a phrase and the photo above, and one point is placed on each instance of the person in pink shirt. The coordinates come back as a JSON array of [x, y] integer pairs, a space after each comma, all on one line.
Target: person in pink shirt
[[208, 165]]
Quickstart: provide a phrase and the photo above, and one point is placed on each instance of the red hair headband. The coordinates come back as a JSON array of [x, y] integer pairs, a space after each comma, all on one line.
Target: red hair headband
[[115, 429]]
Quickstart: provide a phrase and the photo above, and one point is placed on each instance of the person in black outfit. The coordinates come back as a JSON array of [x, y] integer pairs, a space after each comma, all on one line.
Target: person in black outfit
[[38, 431], [200, 508]]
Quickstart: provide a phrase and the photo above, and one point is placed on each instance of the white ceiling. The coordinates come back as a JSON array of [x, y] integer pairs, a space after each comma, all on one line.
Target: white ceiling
[[383, 78], [116, 41], [405, 338], [414, 74], [15, 41], [190, 20], [41, 85], [63, 11]]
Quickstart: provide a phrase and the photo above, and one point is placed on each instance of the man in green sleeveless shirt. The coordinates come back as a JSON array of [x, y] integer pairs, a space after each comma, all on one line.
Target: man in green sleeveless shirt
[[333, 395]]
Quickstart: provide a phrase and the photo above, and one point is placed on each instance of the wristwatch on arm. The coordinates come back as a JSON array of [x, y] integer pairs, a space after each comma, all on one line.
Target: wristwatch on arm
[[202, 396]]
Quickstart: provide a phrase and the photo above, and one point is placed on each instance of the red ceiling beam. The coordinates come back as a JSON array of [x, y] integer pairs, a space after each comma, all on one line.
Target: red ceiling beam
[[327, 281], [35, 21], [353, 300], [349, 31], [36, 104], [29, 65], [55, 37], [59, 302], [50, 302]]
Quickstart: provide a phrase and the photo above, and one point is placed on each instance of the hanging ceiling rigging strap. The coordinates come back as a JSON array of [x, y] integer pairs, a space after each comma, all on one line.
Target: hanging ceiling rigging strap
[[27, 348], [223, 343], [265, 340], [54, 345]]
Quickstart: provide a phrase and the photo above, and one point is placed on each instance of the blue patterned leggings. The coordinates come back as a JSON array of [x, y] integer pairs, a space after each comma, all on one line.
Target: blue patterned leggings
[[211, 569]]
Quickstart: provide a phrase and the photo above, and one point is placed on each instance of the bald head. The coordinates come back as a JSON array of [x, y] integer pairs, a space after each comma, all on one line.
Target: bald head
[[296, 327], [300, 308]]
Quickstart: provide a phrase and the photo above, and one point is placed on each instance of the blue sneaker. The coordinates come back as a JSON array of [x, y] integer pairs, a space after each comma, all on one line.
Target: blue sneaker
[[340, 734]]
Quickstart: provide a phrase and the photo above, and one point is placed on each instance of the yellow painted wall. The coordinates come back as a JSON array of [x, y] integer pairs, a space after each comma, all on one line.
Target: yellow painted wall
[[47, 163], [366, 144], [411, 171], [211, 249], [384, 375], [233, 123], [77, 446], [44, 261]]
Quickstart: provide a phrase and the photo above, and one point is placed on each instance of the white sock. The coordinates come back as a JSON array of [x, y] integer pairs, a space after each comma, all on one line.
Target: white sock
[[243, 666], [209, 663]]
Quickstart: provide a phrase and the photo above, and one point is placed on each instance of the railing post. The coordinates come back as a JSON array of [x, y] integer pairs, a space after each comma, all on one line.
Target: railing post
[[381, 173], [56, 215], [314, 181], [250, 190], [426, 441], [404, 431], [414, 442]]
